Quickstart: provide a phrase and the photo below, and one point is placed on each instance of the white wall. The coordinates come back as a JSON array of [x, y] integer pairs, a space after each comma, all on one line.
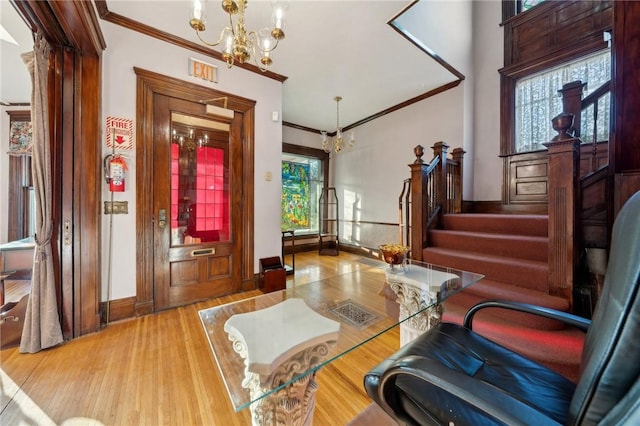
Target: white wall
[[487, 166], [127, 49], [4, 170]]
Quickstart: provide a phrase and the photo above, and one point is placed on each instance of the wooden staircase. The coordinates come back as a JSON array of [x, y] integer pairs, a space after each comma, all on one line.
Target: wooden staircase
[[514, 251], [511, 252]]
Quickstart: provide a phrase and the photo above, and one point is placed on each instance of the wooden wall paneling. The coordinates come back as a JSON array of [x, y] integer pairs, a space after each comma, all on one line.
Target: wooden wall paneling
[[589, 162], [624, 151], [144, 301], [626, 184], [64, 290], [247, 157], [72, 31], [87, 188], [547, 35], [593, 209], [66, 241], [558, 29], [528, 177], [626, 87]]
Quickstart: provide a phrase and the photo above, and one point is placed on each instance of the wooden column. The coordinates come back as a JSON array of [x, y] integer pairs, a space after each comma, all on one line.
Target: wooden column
[[563, 180], [419, 216]]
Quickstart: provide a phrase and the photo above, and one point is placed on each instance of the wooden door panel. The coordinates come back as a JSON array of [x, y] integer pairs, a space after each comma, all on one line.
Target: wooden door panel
[[192, 261], [195, 271], [184, 273], [218, 267]]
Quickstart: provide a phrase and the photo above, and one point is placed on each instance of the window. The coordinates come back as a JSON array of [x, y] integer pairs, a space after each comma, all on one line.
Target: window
[[302, 183], [21, 208], [511, 8], [537, 101], [528, 4], [304, 174], [199, 184]]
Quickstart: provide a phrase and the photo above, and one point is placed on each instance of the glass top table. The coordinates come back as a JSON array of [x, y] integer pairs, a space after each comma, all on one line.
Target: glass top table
[[253, 339]]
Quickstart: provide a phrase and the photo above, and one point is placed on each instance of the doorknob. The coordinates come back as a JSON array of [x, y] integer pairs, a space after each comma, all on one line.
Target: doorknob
[[162, 218]]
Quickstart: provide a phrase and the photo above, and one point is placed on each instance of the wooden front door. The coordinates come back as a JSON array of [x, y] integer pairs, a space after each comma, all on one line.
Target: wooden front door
[[197, 244]]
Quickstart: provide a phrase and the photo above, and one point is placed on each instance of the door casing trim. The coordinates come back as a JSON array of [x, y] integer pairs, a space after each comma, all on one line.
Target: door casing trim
[[148, 84]]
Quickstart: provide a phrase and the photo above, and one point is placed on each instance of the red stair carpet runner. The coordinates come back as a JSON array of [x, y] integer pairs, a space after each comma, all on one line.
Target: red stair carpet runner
[[511, 252]]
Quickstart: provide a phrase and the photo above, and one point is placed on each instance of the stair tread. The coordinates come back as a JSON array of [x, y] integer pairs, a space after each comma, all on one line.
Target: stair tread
[[486, 288], [498, 223], [488, 257], [518, 246], [492, 235], [525, 273], [502, 215]]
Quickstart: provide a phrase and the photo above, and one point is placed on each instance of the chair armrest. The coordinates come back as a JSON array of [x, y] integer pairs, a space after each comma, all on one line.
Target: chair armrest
[[501, 406], [565, 317]]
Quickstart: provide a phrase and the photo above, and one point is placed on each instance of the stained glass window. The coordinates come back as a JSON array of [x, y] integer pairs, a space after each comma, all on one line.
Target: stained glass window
[[528, 4], [302, 182], [20, 137], [537, 101]]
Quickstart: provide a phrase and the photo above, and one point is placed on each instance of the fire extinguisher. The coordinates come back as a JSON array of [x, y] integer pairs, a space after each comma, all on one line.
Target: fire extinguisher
[[114, 168]]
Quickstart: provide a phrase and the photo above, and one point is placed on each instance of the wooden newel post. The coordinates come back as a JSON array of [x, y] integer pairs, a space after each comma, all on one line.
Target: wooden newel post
[[563, 180], [440, 150], [457, 154], [418, 205], [572, 103]]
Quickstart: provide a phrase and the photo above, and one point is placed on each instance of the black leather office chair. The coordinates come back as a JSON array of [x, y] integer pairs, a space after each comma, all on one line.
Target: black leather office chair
[[451, 375]]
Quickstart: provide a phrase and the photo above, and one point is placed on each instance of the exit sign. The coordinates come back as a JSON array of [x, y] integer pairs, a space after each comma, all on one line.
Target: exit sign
[[203, 70]]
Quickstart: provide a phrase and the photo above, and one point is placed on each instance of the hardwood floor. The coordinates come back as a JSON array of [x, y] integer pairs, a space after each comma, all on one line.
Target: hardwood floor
[[159, 370]]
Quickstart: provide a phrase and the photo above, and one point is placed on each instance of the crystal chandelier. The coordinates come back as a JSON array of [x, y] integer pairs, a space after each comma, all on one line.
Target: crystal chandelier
[[190, 142], [337, 143], [236, 42]]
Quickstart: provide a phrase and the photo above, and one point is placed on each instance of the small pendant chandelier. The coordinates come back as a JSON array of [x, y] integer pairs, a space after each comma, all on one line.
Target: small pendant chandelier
[[337, 142], [238, 44]]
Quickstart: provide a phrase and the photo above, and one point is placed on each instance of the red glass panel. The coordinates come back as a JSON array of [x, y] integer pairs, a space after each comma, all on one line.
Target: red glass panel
[[199, 186]]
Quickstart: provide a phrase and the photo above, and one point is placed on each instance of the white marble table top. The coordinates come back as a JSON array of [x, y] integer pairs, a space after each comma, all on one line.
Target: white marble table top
[[272, 335]]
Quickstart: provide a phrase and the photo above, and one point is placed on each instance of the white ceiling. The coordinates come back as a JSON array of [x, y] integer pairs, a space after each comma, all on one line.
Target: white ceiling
[[15, 83], [332, 48]]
